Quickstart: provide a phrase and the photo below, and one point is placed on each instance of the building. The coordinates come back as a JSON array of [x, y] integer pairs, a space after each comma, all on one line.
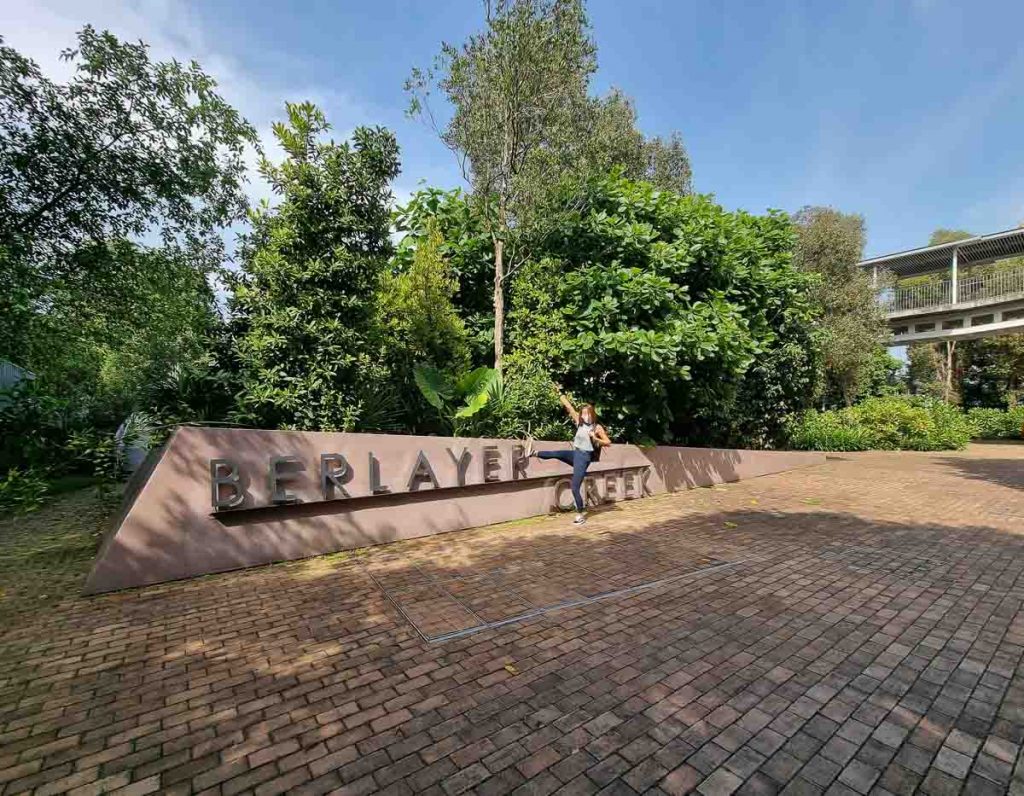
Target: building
[[969, 294]]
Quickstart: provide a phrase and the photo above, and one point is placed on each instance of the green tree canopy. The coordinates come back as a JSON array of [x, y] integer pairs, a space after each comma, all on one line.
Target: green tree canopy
[[941, 236], [126, 147], [992, 371], [829, 245], [304, 304], [119, 319], [466, 248], [523, 121], [418, 313], [682, 321]]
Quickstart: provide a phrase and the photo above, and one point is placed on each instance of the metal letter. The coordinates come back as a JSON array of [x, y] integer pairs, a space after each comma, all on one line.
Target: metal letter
[[644, 488], [629, 485], [230, 479], [591, 495], [461, 464], [611, 487], [421, 473], [333, 478], [563, 488], [376, 487], [275, 478], [519, 462], [492, 464]]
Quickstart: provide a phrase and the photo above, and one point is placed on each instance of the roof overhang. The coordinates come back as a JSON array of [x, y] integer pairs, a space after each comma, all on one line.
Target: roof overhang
[[970, 251]]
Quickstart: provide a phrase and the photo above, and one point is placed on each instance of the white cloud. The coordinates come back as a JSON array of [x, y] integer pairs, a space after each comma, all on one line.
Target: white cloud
[[41, 29]]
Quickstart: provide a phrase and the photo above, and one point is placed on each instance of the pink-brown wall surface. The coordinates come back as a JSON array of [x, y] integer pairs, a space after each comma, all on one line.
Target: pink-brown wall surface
[[169, 529], [684, 468]]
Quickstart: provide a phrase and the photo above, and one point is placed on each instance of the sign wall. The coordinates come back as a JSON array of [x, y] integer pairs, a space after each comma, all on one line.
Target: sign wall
[[217, 499]]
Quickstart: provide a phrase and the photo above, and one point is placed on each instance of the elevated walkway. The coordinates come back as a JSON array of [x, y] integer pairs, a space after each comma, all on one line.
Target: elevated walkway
[[953, 308]]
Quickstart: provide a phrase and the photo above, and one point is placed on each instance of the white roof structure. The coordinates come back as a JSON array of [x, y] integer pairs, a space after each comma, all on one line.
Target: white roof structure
[[970, 251]]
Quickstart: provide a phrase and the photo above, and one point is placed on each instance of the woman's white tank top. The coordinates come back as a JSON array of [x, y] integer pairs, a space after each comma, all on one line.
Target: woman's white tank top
[[582, 439]]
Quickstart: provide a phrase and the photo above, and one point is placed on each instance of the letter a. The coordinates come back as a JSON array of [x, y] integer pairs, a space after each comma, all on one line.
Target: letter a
[[421, 473]]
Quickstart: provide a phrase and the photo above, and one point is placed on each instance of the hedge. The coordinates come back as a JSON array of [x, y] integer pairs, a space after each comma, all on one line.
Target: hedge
[[891, 423]]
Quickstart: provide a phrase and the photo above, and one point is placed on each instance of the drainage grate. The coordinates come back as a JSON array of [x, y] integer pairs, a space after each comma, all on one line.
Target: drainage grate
[[442, 606]]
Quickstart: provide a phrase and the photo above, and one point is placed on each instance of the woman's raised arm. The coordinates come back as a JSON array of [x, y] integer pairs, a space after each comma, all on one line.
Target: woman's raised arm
[[567, 405]]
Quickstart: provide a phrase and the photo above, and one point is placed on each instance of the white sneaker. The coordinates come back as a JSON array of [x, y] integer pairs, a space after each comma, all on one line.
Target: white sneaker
[[580, 519], [529, 451]]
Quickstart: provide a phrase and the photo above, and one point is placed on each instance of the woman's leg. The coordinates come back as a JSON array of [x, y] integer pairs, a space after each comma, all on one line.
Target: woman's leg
[[581, 461], [562, 456]]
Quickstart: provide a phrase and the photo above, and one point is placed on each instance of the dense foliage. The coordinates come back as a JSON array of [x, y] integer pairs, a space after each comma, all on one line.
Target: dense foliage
[[119, 333], [119, 320], [996, 423], [830, 245], [522, 121], [683, 322], [991, 371], [22, 491], [126, 148], [894, 423], [464, 247], [304, 303]]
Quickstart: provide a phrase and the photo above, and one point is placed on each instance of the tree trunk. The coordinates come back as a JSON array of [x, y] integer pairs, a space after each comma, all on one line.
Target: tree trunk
[[499, 303], [950, 347]]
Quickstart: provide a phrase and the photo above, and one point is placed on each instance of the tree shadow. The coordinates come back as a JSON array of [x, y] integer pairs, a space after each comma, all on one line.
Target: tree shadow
[[816, 600], [164, 544], [1004, 472], [679, 468]]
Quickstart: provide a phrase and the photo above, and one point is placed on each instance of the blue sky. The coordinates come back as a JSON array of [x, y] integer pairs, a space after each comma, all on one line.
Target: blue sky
[[909, 112]]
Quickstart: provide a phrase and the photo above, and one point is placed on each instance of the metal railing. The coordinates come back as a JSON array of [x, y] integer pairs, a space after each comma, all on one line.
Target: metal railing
[[937, 294]]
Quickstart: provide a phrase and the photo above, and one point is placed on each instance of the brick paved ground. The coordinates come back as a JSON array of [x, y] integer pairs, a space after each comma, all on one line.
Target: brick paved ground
[[870, 642]]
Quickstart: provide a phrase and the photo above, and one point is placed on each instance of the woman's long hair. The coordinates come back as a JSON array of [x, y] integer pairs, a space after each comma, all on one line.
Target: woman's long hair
[[593, 413]]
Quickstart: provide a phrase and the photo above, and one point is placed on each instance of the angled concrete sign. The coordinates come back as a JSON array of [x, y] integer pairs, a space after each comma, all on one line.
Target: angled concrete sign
[[215, 499]]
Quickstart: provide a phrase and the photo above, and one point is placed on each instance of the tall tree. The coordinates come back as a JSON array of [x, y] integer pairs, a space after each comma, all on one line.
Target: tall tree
[[830, 244], [608, 138], [927, 370], [522, 120], [303, 304], [992, 371], [515, 90], [417, 310], [466, 249], [125, 147]]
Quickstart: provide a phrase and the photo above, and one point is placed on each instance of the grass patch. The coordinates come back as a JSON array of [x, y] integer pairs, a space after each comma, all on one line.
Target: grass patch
[[45, 556]]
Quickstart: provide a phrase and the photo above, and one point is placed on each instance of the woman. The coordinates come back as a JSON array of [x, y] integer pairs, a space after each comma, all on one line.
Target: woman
[[589, 437]]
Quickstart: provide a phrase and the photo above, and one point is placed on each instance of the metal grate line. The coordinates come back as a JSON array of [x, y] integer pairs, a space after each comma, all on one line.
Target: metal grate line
[[539, 611]]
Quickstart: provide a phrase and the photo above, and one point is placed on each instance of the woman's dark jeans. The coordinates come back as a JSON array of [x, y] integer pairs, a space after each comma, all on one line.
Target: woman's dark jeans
[[579, 461]]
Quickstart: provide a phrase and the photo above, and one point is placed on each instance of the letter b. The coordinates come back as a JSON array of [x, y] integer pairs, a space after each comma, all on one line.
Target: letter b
[[230, 480]]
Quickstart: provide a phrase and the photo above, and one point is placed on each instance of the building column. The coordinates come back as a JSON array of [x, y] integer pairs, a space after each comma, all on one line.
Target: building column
[[953, 285]]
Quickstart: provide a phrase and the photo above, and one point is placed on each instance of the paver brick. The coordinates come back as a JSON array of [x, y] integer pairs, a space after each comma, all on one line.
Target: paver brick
[[952, 762], [720, 783], [869, 643]]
